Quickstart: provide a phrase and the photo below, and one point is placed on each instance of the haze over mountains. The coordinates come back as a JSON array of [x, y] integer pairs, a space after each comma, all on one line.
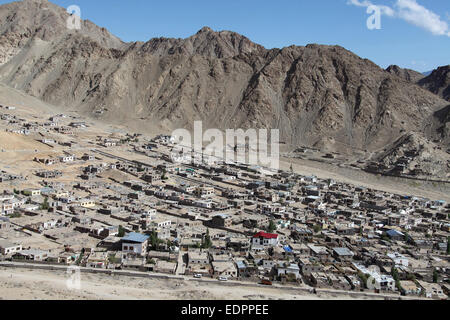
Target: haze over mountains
[[317, 95]]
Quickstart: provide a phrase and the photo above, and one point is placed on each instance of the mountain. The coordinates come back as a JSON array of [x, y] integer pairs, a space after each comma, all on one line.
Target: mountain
[[426, 74], [438, 82], [406, 74], [317, 95]]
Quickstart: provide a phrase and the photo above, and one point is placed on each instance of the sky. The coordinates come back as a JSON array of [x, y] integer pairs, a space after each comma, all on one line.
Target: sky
[[414, 33]]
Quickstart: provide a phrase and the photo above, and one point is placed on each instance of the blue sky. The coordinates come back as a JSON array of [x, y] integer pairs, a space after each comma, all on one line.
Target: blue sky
[[414, 33]]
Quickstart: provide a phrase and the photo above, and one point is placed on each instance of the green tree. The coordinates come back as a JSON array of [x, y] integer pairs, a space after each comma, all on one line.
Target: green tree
[[317, 228], [363, 278], [121, 232], [155, 242], [272, 227], [435, 276], [206, 242], [45, 205], [394, 273]]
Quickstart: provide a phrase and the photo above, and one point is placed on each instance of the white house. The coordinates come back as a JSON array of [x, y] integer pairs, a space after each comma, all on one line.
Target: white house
[[265, 239]]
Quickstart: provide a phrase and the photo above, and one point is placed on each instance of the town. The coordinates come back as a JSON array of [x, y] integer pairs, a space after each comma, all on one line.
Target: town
[[74, 194]]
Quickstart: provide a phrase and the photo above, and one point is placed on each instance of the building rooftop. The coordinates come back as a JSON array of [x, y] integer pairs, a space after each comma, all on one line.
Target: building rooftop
[[135, 237]]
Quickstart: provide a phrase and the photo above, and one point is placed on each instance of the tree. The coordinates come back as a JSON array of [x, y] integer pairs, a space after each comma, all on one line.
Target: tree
[[45, 205], [121, 232], [435, 276], [206, 242], [272, 227], [317, 228]]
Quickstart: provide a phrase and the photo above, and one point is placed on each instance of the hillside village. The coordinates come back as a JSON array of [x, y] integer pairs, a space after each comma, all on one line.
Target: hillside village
[[75, 195]]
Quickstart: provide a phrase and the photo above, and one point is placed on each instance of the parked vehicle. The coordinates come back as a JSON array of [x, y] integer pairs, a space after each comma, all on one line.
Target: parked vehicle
[[266, 282], [223, 279], [197, 276]]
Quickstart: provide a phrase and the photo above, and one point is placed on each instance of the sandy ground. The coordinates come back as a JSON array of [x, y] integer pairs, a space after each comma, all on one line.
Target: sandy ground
[[22, 284], [434, 191]]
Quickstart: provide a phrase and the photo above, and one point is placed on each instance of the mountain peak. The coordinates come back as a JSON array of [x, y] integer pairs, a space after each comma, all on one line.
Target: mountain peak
[[406, 74], [205, 29]]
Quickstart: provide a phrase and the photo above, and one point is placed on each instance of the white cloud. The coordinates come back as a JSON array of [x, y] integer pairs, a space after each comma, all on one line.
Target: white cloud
[[413, 13], [366, 3]]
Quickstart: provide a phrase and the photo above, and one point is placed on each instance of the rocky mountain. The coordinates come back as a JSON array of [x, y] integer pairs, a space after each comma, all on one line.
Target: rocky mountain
[[406, 74], [316, 95], [438, 82]]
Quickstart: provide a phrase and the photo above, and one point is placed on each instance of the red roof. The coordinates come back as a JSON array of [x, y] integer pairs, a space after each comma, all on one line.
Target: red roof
[[265, 235]]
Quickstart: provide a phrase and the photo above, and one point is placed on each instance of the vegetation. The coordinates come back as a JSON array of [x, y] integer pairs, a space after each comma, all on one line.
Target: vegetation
[[272, 227], [206, 241], [80, 258], [114, 259], [435, 276], [385, 237], [15, 215], [45, 205], [363, 277], [317, 228], [394, 273], [448, 245], [155, 242], [121, 232]]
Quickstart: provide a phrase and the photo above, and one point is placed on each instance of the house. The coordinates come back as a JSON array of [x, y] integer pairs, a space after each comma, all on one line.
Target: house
[[198, 258], [395, 235], [343, 254], [135, 243], [221, 221], [30, 255], [97, 260], [398, 259], [432, 290], [262, 239], [87, 203], [32, 192], [380, 281], [4, 224], [308, 267], [284, 269], [410, 288], [67, 158], [7, 247], [204, 192], [163, 266], [227, 269], [319, 252]]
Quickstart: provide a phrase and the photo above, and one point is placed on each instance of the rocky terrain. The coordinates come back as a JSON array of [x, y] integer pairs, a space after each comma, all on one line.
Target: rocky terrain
[[323, 96], [406, 74], [438, 82]]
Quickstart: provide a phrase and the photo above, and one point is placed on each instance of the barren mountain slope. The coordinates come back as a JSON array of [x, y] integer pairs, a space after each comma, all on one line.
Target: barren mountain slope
[[316, 95], [438, 82], [406, 74]]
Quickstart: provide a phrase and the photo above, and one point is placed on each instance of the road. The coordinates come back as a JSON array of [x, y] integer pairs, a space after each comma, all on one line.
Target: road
[[299, 289]]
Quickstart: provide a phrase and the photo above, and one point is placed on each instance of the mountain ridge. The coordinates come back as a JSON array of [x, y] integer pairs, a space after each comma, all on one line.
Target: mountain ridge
[[315, 94]]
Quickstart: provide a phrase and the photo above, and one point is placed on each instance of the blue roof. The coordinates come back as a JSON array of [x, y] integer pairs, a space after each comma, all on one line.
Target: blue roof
[[393, 233], [135, 237], [287, 249]]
